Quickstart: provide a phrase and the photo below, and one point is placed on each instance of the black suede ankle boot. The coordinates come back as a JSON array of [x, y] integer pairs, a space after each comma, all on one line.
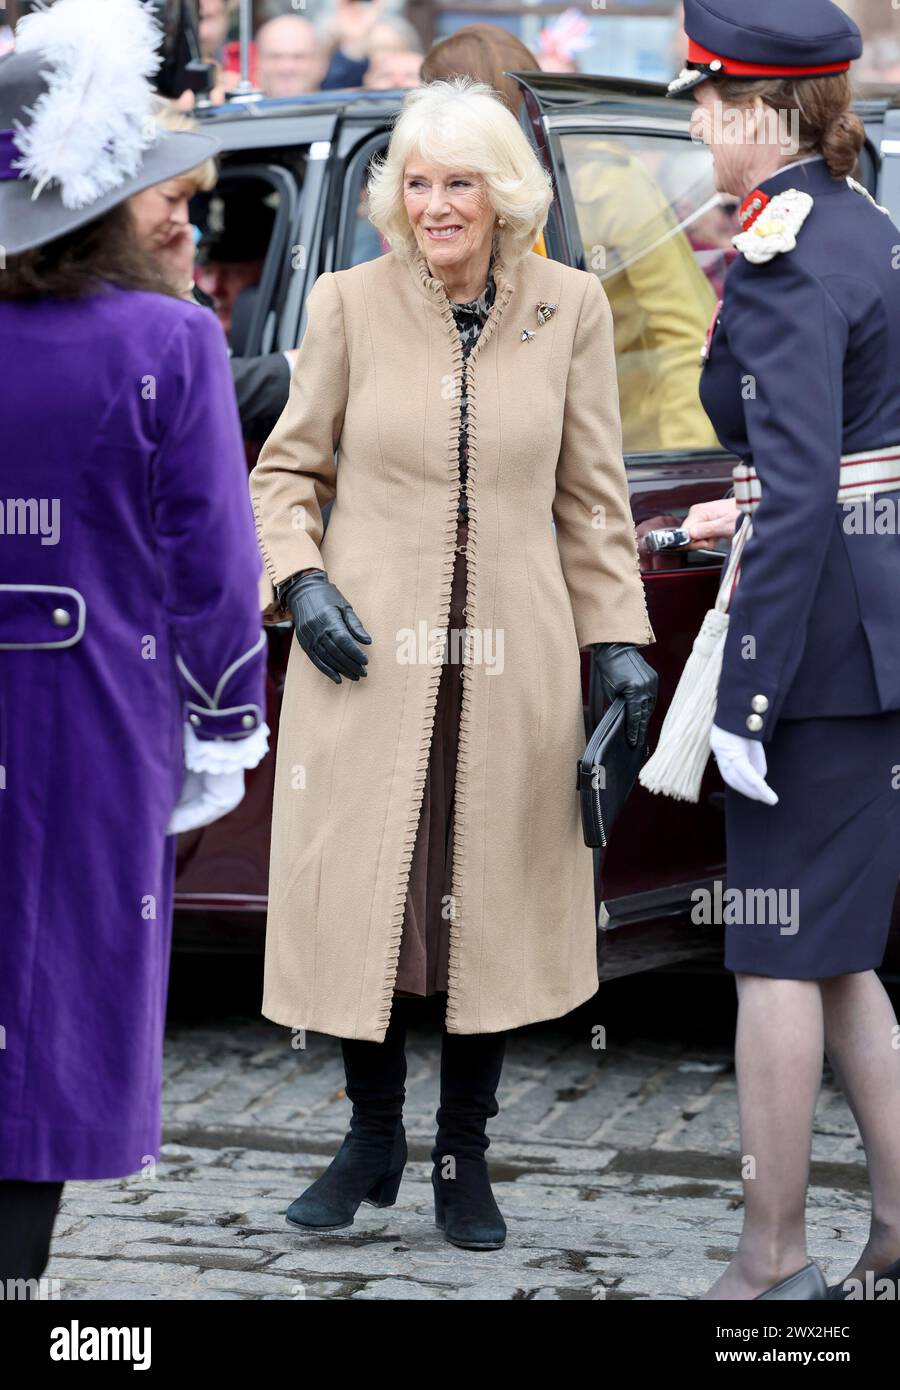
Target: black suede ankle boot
[[369, 1164], [464, 1205]]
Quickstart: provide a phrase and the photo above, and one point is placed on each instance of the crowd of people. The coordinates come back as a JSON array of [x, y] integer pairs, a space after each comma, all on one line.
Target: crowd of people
[[323, 44]]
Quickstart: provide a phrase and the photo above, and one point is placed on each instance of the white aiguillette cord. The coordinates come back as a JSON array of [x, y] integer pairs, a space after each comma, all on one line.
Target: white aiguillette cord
[[677, 766]]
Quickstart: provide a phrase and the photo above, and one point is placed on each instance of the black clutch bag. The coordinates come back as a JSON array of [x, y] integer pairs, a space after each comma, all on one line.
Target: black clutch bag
[[607, 771]]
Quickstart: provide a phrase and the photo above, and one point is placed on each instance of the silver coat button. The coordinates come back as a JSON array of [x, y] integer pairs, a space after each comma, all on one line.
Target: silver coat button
[[61, 617], [754, 723], [194, 718], [759, 704], [248, 721]]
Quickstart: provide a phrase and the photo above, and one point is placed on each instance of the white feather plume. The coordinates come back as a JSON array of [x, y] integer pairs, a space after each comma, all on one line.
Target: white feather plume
[[89, 130]]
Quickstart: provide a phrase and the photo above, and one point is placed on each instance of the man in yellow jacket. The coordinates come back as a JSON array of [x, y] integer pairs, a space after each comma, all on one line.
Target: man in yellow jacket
[[660, 299]]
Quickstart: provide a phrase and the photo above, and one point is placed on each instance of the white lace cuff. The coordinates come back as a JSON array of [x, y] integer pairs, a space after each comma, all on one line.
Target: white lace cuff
[[225, 755]]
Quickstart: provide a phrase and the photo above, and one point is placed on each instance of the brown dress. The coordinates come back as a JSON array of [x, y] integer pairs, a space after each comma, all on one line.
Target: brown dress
[[425, 943]]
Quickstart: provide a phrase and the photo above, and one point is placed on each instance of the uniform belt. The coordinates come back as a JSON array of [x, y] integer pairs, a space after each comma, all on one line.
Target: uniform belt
[[874, 470]]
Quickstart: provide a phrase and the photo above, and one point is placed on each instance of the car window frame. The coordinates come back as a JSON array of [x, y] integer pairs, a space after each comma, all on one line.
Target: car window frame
[[306, 244], [266, 310], [575, 122], [355, 164]]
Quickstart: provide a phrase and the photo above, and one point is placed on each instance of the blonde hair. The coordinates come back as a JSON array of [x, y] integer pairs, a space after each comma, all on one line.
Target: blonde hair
[[462, 124], [206, 175]]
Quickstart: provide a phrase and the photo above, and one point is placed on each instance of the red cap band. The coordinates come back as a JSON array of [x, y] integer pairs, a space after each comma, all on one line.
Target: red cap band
[[732, 68]]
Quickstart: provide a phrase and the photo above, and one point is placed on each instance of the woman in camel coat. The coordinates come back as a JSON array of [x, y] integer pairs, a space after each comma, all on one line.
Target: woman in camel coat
[[525, 524]]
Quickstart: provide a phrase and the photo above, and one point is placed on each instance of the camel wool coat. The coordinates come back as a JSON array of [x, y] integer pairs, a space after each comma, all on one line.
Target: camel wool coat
[[552, 568]]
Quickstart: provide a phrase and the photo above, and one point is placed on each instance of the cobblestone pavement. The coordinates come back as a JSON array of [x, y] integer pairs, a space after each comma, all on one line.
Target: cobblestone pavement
[[616, 1170]]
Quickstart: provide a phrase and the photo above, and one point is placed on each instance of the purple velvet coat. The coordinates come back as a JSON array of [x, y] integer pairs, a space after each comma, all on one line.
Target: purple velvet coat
[[126, 540]]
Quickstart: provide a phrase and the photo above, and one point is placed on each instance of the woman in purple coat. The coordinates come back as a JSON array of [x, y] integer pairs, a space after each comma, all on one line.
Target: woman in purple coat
[[131, 655]]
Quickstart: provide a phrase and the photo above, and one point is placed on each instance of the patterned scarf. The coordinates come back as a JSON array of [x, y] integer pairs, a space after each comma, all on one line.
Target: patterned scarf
[[470, 318]]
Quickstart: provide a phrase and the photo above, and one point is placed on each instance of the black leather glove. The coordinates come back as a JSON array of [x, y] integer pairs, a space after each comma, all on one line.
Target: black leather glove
[[325, 625], [623, 671]]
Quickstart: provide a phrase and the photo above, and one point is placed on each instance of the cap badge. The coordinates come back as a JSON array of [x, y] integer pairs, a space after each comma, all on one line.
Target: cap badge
[[686, 78]]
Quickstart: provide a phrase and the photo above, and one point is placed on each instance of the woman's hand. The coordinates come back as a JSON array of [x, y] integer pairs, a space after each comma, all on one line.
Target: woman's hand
[[742, 763], [623, 671], [711, 521], [325, 625], [176, 258], [351, 26]]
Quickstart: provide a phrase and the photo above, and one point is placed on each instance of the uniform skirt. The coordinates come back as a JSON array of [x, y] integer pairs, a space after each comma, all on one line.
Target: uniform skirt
[[425, 943], [812, 881]]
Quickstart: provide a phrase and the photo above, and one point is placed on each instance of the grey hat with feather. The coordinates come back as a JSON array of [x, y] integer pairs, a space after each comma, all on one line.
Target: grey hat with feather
[[77, 130]]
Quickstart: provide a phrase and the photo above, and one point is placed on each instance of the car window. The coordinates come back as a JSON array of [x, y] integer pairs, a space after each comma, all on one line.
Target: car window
[[236, 221], [360, 241], [657, 235], [243, 225]]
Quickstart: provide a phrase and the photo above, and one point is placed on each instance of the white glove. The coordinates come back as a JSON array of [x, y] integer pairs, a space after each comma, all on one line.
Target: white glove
[[742, 763], [206, 797], [214, 778]]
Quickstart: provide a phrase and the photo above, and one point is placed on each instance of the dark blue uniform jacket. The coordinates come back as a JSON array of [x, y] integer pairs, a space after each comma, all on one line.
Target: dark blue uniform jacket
[[804, 366]]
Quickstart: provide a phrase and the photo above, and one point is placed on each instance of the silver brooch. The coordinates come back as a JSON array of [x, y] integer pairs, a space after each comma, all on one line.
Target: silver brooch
[[527, 335]]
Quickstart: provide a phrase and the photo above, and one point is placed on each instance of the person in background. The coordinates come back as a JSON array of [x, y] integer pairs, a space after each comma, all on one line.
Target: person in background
[[290, 57], [160, 213], [711, 238], [359, 35], [484, 52], [324, 49], [558, 42], [212, 29], [161, 219], [132, 679], [661, 299], [232, 250], [390, 69]]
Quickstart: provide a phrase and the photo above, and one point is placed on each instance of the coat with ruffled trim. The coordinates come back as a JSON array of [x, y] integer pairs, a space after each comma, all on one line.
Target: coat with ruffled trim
[[552, 567]]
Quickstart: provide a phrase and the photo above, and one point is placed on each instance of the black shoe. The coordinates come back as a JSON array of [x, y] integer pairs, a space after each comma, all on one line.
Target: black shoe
[[465, 1209], [840, 1292], [369, 1165], [464, 1205], [807, 1283], [358, 1173]]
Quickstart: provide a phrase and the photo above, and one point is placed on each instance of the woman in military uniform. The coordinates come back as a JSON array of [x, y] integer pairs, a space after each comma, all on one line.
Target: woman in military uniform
[[800, 383]]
